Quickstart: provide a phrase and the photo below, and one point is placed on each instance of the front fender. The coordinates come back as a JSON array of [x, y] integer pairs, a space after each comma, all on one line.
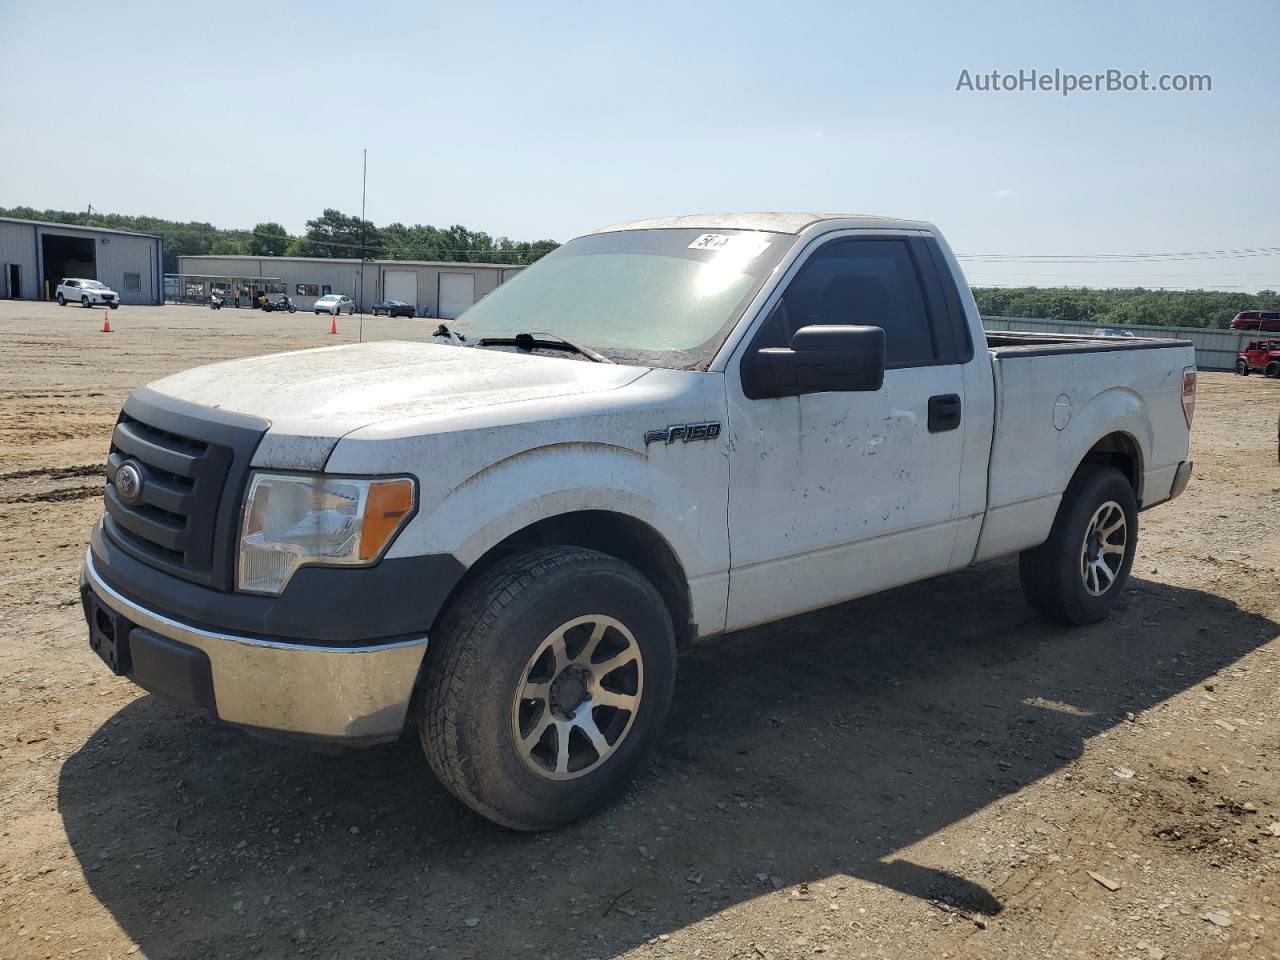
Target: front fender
[[559, 478], [487, 473]]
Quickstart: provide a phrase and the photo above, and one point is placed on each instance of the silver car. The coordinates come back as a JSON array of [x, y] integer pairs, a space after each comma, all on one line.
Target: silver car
[[334, 303]]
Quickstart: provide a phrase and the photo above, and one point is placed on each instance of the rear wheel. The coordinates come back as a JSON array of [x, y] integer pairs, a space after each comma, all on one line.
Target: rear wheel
[[1076, 576], [1242, 367], [547, 682]]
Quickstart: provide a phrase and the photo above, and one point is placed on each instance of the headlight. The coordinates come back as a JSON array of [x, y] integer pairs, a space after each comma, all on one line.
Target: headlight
[[291, 520]]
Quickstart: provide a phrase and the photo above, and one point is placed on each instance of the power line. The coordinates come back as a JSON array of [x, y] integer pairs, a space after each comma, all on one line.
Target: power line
[[1245, 252]]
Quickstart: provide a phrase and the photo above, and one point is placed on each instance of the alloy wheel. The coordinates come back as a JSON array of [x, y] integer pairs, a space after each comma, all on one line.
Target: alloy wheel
[[1102, 551], [578, 697]]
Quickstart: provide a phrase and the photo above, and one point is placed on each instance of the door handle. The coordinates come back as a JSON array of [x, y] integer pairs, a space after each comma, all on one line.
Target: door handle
[[944, 412]]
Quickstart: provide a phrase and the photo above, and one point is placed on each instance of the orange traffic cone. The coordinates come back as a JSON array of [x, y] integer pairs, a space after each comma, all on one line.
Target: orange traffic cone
[[106, 322], [333, 324]]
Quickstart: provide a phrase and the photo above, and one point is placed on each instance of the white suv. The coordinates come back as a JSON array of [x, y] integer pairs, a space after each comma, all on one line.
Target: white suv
[[334, 303], [90, 293]]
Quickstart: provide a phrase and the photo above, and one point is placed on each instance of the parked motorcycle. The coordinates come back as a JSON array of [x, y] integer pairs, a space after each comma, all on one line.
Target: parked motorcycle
[[284, 303], [215, 302]]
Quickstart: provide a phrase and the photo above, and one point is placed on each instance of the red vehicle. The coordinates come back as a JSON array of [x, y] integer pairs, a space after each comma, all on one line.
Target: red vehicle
[[1267, 321], [1259, 355]]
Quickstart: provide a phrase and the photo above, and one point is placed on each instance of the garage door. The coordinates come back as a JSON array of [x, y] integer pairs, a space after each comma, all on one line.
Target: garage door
[[401, 285], [457, 292]]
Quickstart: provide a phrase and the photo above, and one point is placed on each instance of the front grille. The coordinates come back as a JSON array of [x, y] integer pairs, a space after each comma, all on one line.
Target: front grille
[[193, 462]]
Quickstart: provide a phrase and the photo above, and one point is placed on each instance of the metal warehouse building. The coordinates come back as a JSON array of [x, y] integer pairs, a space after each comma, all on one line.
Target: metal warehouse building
[[35, 256], [436, 288]]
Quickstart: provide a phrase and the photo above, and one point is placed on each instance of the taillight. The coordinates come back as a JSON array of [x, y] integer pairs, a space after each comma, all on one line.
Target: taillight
[[1189, 394]]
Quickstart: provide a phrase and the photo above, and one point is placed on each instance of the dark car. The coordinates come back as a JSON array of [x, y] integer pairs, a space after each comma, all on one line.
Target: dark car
[[393, 308]]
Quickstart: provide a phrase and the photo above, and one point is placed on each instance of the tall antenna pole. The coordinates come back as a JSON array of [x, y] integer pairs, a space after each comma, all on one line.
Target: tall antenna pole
[[364, 182]]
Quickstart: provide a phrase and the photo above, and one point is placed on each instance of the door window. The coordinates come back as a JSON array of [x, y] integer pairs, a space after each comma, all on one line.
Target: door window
[[863, 282]]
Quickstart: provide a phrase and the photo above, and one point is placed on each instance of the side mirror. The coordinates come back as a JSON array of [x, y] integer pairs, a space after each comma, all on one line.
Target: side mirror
[[820, 360]]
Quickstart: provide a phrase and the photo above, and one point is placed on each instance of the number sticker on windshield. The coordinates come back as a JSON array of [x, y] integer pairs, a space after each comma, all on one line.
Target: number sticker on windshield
[[742, 247]]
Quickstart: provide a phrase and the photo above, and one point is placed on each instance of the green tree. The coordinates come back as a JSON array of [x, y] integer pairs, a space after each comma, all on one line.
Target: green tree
[[334, 234], [269, 240]]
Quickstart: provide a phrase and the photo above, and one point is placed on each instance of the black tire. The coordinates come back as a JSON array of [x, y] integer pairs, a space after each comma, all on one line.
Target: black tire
[[114, 306], [480, 654], [1054, 575], [84, 302], [1242, 368], [62, 301], [1272, 369]]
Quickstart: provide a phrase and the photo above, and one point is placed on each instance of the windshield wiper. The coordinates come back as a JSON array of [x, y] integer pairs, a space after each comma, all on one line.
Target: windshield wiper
[[533, 341]]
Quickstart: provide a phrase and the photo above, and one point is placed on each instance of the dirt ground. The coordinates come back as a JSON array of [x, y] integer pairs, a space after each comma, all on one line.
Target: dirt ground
[[933, 772]]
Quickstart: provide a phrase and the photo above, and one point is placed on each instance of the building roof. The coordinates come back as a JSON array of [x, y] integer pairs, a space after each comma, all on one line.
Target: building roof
[[78, 226], [351, 260], [772, 222]]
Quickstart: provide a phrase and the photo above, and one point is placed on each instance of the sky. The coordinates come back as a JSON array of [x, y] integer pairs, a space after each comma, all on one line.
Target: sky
[[544, 120]]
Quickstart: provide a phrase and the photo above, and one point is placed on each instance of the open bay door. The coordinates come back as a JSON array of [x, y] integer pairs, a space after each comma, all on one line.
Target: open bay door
[[401, 285], [457, 292]]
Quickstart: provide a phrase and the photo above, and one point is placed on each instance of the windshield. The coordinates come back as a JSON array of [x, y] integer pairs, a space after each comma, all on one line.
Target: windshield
[[664, 298], [328, 299], [95, 285]]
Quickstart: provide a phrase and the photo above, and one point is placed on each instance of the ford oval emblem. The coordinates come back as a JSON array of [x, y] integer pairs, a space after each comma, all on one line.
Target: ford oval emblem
[[129, 483]]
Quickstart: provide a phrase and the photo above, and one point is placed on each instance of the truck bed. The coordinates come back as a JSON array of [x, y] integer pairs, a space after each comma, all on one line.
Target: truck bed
[[1053, 395], [1013, 343]]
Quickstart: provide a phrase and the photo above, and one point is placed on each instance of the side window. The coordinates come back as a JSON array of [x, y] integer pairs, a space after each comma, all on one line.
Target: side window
[[133, 281], [871, 282], [326, 290]]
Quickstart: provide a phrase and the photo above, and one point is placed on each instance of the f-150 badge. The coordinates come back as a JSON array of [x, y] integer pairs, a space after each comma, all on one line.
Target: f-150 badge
[[683, 431]]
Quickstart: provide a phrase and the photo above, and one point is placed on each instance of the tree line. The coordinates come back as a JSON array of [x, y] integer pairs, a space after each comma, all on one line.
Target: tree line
[[332, 234], [1122, 306]]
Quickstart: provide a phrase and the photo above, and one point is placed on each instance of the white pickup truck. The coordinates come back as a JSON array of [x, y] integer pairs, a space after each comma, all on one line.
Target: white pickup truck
[[661, 432]]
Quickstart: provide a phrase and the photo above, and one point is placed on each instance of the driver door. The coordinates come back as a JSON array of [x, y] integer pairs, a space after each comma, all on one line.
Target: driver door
[[839, 494]]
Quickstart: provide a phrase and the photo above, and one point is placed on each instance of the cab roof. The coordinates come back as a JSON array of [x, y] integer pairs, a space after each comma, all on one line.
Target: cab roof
[[772, 222]]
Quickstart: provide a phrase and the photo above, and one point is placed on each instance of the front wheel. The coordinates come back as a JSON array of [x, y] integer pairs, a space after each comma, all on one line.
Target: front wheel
[[62, 301], [547, 682], [114, 306], [1242, 368], [1076, 576], [1272, 369], [84, 302]]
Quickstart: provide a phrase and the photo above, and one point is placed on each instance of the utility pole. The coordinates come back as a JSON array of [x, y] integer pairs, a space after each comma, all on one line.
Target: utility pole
[[364, 181], [88, 214]]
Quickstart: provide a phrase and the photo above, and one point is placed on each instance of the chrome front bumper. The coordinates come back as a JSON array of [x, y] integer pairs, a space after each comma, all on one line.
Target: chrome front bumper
[[354, 694]]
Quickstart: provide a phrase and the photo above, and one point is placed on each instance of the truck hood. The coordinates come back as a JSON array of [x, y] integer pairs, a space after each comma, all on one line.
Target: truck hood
[[314, 397]]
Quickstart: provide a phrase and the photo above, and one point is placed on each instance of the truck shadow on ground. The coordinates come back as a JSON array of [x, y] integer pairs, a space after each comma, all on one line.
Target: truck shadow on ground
[[823, 745]]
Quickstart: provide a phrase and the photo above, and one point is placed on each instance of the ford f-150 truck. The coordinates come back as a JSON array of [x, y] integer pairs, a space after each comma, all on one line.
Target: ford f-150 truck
[[662, 431]]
